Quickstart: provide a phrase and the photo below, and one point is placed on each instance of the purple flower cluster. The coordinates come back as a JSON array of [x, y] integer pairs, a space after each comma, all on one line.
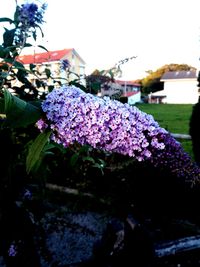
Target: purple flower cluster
[[65, 64], [28, 18], [12, 251], [75, 116], [175, 159], [27, 195], [30, 15]]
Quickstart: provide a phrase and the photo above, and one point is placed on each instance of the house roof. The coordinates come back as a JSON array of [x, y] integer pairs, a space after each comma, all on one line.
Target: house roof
[[45, 56], [128, 94], [179, 75], [161, 93], [133, 83]]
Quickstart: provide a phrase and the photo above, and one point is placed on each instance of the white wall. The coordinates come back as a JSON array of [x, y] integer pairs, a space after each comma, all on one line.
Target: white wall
[[134, 98], [181, 92]]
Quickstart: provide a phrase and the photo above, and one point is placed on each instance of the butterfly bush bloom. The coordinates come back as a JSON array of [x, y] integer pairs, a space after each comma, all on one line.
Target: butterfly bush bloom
[[65, 64], [76, 116], [28, 18], [176, 160], [27, 195], [12, 251], [30, 15]]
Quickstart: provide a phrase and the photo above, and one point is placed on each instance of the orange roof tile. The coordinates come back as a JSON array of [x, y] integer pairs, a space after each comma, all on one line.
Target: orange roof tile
[[128, 94], [44, 57]]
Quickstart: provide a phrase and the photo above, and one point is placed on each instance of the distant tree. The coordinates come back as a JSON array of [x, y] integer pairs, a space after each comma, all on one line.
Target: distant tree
[[97, 79], [152, 83], [103, 80]]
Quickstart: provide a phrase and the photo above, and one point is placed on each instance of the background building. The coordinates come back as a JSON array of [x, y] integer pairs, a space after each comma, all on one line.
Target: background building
[[129, 89], [180, 87], [66, 64]]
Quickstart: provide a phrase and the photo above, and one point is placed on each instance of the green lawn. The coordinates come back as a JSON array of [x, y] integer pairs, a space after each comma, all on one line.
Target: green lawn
[[173, 117]]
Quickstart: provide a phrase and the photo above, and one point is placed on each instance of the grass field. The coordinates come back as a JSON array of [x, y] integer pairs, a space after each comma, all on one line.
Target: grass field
[[172, 117]]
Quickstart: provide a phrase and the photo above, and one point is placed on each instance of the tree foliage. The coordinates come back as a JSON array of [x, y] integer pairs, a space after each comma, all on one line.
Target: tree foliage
[[99, 79], [95, 80]]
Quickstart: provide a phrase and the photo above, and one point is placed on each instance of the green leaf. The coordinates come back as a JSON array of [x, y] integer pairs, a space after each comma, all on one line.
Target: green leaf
[[17, 64], [28, 45], [19, 113], [36, 150], [41, 46], [6, 20], [2, 106], [48, 72], [40, 30], [10, 102], [84, 149], [8, 37], [34, 35], [32, 66], [102, 162], [11, 48], [82, 87], [2, 52], [4, 75], [60, 147], [16, 15], [89, 159], [39, 83], [5, 66], [49, 146], [97, 165], [50, 88], [74, 159]]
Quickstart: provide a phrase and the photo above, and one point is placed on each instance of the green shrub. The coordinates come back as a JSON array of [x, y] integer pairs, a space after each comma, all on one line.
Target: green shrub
[[195, 131], [123, 99]]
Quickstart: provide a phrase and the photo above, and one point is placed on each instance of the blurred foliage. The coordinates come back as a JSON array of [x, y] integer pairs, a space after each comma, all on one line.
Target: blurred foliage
[[96, 80], [123, 99], [103, 79]]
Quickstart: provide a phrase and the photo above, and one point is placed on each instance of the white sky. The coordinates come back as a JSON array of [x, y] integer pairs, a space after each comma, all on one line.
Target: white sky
[[103, 32]]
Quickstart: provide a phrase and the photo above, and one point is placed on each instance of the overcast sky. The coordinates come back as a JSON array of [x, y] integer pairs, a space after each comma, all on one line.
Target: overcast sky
[[103, 32]]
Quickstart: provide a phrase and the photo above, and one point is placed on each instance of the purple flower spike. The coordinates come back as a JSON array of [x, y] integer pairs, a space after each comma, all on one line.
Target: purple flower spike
[[75, 116], [30, 15]]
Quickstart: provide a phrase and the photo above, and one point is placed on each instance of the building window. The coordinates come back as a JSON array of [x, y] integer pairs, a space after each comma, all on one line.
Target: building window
[[82, 70], [73, 60]]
